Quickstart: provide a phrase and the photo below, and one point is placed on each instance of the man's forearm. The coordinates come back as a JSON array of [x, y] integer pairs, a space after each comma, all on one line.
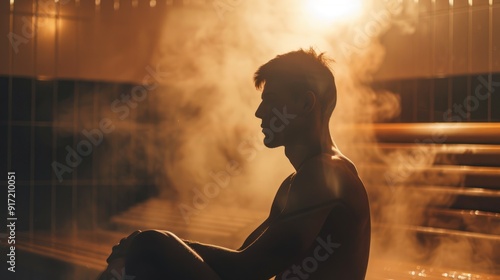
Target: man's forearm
[[223, 260], [210, 252]]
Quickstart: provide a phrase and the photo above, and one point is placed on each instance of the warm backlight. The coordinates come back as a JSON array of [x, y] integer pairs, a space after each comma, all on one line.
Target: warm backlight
[[334, 10]]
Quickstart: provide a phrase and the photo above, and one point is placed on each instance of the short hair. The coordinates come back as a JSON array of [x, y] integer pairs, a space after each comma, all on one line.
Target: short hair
[[302, 71]]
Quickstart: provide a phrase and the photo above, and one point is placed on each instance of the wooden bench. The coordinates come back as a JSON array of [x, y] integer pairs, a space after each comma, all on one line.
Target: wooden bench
[[82, 254], [437, 185]]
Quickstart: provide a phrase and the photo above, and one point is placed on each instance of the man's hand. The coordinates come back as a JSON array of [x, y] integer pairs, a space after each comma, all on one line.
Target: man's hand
[[119, 251], [115, 270]]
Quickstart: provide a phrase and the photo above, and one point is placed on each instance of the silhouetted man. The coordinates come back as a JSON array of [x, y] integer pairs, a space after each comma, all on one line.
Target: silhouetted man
[[319, 223]]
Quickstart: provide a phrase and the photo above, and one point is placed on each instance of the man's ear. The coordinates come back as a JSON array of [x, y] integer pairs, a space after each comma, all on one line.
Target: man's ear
[[309, 101]]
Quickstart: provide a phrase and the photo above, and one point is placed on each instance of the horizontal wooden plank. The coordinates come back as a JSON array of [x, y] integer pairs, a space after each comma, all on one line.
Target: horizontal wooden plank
[[423, 174], [395, 269], [439, 133], [477, 133], [442, 154]]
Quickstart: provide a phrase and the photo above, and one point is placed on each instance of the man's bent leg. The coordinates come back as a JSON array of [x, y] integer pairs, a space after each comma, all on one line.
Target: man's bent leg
[[162, 255]]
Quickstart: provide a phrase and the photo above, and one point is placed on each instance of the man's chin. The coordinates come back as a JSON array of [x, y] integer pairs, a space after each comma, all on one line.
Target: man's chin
[[271, 144]]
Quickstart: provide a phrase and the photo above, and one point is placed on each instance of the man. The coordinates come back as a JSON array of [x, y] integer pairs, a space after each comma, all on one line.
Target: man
[[319, 223]]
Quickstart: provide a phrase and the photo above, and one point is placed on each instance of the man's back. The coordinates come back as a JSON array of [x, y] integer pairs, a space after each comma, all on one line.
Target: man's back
[[340, 248]]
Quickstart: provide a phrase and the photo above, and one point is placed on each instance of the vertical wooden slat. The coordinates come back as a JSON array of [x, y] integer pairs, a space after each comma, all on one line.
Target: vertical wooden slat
[[424, 36], [441, 35], [9, 122], [479, 31], [461, 39], [32, 123], [490, 53]]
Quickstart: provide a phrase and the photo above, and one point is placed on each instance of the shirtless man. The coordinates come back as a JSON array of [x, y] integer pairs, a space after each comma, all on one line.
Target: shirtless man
[[319, 223]]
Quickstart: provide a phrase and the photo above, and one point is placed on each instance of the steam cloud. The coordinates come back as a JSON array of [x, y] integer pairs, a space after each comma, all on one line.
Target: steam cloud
[[204, 110]]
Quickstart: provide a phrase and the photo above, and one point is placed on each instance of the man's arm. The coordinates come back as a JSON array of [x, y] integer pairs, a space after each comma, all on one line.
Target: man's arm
[[276, 209], [309, 203]]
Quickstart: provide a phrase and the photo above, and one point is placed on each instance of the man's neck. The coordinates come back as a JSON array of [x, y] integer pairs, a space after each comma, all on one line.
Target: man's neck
[[298, 153]]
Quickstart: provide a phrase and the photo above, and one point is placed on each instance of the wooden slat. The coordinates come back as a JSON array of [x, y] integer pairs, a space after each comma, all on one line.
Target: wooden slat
[[464, 220], [444, 154], [439, 148], [470, 133], [445, 175], [385, 269]]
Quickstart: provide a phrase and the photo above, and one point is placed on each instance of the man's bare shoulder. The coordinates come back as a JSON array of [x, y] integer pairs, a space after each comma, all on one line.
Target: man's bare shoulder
[[323, 179], [332, 172]]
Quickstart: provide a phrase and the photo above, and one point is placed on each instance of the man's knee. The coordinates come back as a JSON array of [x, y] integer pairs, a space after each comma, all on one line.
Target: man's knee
[[151, 248], [153, 239]]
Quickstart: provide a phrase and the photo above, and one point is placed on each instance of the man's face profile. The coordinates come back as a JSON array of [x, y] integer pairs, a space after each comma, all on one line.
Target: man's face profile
[[277, 112]]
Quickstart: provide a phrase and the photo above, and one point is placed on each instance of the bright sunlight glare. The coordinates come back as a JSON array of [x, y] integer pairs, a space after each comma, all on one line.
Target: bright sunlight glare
[[334, 10]]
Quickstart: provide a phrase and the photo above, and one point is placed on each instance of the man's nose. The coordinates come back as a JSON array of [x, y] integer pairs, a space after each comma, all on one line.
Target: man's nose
[[258, 112]]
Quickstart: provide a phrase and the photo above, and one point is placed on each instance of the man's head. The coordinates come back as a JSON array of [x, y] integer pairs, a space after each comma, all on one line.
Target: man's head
[[299, 94]]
